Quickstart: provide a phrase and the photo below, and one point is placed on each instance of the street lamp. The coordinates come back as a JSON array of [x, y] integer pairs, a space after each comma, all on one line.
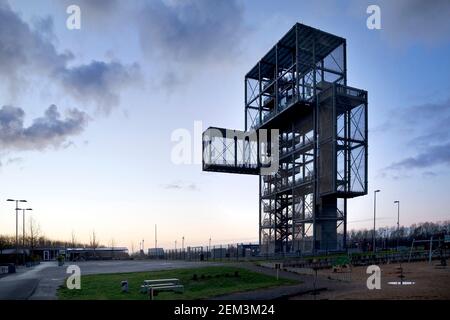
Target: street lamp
[[209, 248], [374, 217], [17, 226], [182, 246], [23, 232], [398, 220]]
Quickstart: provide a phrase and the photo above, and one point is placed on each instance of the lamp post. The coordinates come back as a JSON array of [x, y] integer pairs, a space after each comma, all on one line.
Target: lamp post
[[209, 248], [374, 218], [17, 226], [182, 247], [156, 237], [156, 242], [23, 233], [398, 220]]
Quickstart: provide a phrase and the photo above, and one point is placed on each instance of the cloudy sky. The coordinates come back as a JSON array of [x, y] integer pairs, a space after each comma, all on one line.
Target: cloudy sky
[[88, 117]]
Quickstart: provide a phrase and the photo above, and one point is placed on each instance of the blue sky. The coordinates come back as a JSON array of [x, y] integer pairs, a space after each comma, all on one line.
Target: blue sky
[[137, 71]]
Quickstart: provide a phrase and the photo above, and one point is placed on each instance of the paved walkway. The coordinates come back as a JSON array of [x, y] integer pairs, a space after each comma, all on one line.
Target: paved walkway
[[22, 284]]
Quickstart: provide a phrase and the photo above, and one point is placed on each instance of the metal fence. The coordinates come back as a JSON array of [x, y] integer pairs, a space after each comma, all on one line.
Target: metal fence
[[230, 252], [362, 253]]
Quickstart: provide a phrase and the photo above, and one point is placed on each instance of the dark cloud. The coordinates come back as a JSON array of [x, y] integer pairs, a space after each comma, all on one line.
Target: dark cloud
[[24, 51], [22, 48], [191, 31], [50, 130], [426, 112], [97, 15], [412, 21], [429, 174], [433, 155], [98, 81], [100, 6], [45, 27], [428, 139], [408, 22], [428, 125]]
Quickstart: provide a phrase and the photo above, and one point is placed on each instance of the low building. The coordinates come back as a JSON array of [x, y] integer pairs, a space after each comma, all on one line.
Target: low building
[[104, 253], [10, 255], [47, 253], [156, 253], [219, 253], [248, 250], [72, 254]]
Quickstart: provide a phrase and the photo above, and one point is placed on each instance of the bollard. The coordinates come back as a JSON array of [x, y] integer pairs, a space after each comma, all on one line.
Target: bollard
[[278, 267], [124, 285], [151, 293]]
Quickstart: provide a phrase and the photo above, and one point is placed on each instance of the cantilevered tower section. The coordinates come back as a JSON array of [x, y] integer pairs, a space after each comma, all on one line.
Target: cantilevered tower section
[[303, 119]]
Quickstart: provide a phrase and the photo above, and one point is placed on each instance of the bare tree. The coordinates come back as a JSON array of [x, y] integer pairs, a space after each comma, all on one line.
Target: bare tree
[[74, 239], [5, 243], [93, 241], [2, 244], [34, 234], [113, 244]]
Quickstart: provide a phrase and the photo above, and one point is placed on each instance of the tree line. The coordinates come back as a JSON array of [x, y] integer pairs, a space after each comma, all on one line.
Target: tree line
[[391, 236], [34, 238], [385, 236]]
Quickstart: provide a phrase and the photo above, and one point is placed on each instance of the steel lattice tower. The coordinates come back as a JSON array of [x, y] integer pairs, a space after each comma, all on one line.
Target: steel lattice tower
[[317, 140]]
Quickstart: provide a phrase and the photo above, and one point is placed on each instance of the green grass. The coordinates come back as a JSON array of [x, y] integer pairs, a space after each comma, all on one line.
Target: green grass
[[212, 281]]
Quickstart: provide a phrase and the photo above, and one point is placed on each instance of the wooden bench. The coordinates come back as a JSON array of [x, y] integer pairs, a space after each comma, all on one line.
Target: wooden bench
[[153, 286], [175, 288], [158, 281], [167, 282]]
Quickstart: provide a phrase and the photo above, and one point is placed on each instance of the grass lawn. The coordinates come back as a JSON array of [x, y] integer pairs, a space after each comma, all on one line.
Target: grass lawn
[[211, 281]]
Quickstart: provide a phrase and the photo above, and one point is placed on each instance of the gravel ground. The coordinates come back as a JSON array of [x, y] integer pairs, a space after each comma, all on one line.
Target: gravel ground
[[430, 282]]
